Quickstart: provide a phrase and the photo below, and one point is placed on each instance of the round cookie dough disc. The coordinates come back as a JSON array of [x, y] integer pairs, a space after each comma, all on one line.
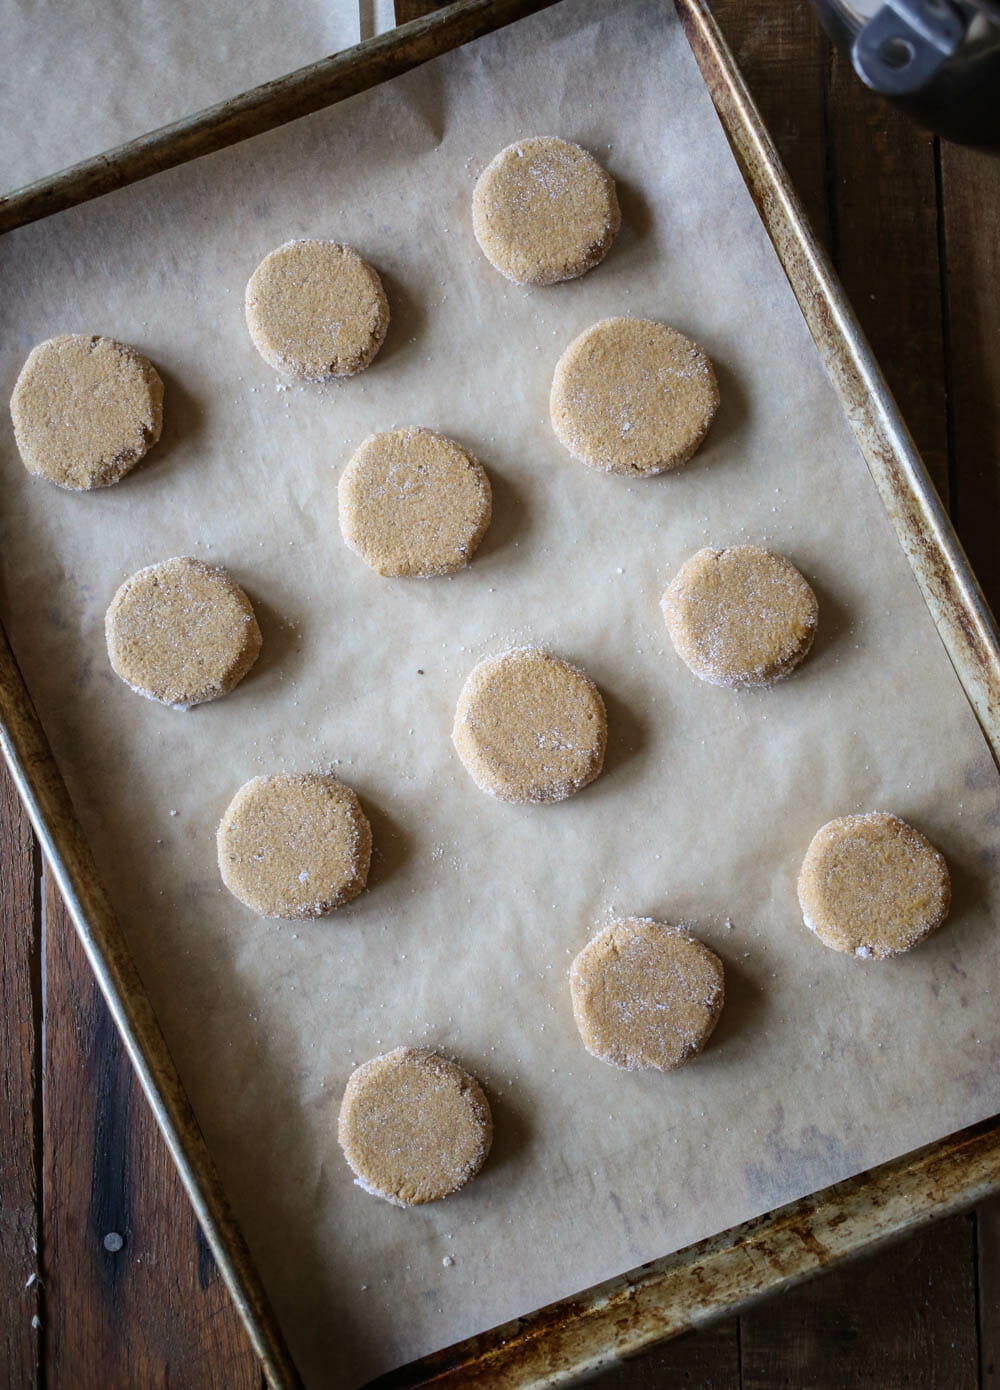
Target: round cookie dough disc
[[315, 309], [412, 502], [85, 410], [633, 396], [181, 632], [414, 1126], [873, 886], [530, 727], [740, 616], [544, 210], [294, 845], [645, 995]]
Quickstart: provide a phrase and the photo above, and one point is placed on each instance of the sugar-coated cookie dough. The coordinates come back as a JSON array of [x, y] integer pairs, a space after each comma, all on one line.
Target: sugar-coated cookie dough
[[412, 502], [530, 727], [413, 1126], [740, 616], [633, 396], [85, 410], [294, 845], [873, 886], [315, 309], [181, 632], [544, 210], [646, 994]]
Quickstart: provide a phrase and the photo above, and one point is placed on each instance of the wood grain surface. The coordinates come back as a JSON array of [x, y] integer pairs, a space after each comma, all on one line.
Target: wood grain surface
[[21, 1096], [133, 1297], [913, 226]]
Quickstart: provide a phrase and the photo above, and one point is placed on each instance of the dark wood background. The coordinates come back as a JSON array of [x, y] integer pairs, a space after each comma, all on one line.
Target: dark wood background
[[913, 226]]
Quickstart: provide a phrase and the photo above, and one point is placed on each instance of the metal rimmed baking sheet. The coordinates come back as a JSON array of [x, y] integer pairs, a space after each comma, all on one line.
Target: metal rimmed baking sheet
[[538, 482]]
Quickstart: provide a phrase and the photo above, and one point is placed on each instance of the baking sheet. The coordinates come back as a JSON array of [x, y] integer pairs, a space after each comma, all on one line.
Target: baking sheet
[[80, 76], [821, 1065]]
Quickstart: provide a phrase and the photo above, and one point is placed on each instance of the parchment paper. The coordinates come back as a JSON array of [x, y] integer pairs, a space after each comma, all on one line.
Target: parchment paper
[[821, 1065], [79, 76]]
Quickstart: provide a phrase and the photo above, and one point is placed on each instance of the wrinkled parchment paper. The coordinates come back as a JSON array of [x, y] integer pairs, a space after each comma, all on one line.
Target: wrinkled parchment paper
[[79, 76], [821, 1065]]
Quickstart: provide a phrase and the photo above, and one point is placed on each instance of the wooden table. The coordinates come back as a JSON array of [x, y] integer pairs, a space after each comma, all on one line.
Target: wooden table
[[105, 1280]]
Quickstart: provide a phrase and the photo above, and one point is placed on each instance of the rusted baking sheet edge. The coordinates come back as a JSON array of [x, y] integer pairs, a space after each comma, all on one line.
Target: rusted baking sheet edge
[[263, 108], [655, 1302], [43, 791], [951, 591]]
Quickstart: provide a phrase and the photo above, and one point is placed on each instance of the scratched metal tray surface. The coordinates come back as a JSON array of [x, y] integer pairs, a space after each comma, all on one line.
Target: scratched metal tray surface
[[618, 1318]]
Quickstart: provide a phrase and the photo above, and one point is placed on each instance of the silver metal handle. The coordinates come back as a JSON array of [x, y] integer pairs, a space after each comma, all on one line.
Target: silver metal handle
[[900, 50]]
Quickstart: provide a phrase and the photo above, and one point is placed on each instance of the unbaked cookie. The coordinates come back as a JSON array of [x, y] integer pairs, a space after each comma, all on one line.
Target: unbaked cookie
[[85, 410], [740, 616], [413, 1126], [530, 727], [181, 632], [415, 503], [315, 309], [633, 396], [294, 845], [646, 994], [544, 210], [873, 886]]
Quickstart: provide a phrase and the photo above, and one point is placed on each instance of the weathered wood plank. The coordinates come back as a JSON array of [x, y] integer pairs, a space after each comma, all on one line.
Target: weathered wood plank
[[970, 186], [988, 1277], [905, 1317], [20, 1096], [710, 1358], [133, 1297], [784, 55], [883, 198]]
